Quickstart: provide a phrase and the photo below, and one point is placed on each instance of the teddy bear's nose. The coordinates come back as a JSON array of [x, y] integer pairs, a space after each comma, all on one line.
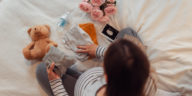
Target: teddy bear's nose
[[35, 28]]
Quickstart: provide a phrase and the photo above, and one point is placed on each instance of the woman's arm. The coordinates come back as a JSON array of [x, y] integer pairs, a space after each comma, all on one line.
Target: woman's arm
[[100, 51], [56, 82], [93, 50], [58, 88]]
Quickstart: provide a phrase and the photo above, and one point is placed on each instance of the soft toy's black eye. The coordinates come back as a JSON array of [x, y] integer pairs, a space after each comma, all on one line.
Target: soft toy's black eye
[[35, 29]]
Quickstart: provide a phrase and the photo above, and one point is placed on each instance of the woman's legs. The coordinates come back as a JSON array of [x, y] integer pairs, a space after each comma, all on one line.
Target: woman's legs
[[128, 31], [68, 81], [42, 78]]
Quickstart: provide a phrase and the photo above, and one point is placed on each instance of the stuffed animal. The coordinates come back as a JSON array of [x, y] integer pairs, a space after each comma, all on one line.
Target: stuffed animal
[[40, 42]]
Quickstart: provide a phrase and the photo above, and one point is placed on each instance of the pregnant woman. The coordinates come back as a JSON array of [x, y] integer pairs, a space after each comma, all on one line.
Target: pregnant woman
[[126, 72]]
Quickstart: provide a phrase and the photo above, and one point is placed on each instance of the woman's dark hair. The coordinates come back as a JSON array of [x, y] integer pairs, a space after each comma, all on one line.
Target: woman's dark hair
[[127, 69]]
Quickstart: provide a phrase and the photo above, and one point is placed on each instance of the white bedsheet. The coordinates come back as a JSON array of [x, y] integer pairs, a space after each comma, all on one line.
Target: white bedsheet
[[165, 26]]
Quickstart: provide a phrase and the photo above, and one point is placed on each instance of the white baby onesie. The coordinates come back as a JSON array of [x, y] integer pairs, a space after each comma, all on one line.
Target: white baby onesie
[[74, 37]]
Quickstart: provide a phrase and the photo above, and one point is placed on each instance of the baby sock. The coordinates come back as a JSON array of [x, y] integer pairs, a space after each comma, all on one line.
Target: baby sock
[[61, 60]]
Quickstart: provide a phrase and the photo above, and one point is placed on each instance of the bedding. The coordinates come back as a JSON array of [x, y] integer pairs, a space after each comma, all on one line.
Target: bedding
[[165, 27]]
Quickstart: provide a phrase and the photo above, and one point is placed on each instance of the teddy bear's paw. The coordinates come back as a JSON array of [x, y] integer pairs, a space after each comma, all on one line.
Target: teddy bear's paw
[[55, 44], [47, 48], [26, 54]]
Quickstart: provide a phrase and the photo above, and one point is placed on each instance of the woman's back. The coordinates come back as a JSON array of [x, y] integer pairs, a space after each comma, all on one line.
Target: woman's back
[[127, 73]]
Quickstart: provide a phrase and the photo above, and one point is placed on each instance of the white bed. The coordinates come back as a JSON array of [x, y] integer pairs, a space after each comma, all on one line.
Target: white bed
[[165, 26]]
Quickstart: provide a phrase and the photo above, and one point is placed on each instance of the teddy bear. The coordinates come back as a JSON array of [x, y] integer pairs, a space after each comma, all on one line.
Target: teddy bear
[[40, 44]]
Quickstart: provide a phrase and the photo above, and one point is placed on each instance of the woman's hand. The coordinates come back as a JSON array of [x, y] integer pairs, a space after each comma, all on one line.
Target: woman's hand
[[90, 49], [52, 75]]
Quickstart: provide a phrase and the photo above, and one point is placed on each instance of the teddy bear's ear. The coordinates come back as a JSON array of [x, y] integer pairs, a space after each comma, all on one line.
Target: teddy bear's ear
[[29, 30], [48, 27]]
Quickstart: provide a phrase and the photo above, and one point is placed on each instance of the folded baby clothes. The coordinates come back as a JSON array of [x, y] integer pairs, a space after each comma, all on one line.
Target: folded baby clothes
[[61, 60], [75, 37], [89, 28]]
